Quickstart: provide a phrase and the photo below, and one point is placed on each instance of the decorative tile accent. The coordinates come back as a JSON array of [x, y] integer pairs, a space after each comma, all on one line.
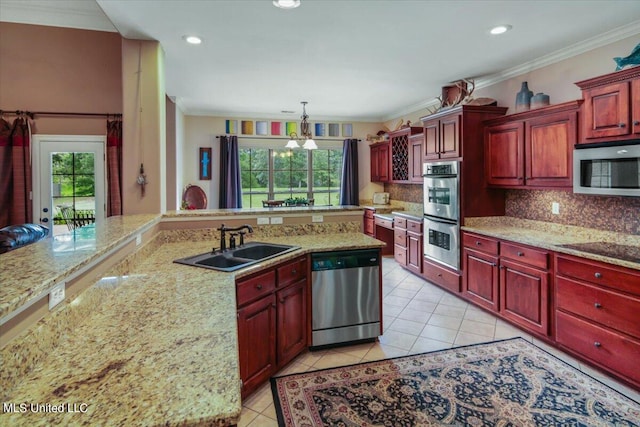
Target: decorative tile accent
[[291, 127], [334, 129], [347, 129], [276, 128], [320, 129], [247, 127], [261, 128], [231, 126]]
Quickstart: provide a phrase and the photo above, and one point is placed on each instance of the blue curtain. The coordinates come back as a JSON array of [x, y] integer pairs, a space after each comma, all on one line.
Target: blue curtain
[[349, 180], [230, 186]]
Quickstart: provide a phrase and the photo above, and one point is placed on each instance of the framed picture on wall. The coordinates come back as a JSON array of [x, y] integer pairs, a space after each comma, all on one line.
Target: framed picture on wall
[[204, 161]]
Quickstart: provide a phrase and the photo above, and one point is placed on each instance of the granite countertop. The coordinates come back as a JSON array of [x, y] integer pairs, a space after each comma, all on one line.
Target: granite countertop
[[410, 215], [255, 211], [157, 346], [382, 209], [553, 237], [32, 270]]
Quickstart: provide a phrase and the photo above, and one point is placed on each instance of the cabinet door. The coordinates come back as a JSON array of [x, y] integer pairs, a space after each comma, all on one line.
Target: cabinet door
[[415, 158], [431, 132], [450, 137], [606, 111], [635, 107], [292, 318], [400, 246], [256, 342], [480, 278], [383, 163], [504, 151], [375, 166], [414, 252], [524, 296], [549, 142]]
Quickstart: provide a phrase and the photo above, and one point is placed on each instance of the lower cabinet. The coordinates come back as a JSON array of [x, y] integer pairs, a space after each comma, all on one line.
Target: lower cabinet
[[408, 241], [507, 278], [272, 321], [369, 222]]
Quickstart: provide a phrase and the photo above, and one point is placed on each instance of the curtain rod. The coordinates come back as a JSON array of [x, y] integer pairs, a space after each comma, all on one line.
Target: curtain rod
[[53, 113], [284, 137]]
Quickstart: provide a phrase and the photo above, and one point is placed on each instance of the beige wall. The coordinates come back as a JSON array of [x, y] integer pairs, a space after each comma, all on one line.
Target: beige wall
[[61, 70], [201, 131]]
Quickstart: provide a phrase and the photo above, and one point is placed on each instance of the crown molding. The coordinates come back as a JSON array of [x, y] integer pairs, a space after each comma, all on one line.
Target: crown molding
[[557, 56]]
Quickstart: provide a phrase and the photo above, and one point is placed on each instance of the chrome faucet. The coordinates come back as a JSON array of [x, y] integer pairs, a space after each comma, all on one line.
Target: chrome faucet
[[223, 229]]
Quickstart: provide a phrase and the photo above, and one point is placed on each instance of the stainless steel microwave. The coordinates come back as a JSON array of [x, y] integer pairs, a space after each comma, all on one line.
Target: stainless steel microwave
[[609, 170]]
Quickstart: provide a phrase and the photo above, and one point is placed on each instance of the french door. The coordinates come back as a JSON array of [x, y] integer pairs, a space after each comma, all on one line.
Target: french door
[[68, 181]]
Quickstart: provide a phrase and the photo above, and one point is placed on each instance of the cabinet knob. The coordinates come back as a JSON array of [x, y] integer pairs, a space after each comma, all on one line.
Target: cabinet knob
[[636, 123], [520, 254], [258, 287], [282, 300], [597, 305], [597, 344], [294, 272], [621, 125], [493, 264], [598, 275], [273, 305], [439, 274], [478, 243]]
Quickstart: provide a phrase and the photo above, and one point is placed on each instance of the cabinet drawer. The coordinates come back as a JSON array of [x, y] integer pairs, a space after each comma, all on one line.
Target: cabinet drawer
[[479, 243], [368, 213], [599, 305], [384, 223], [599, 273], [608, 348], [414, 226], [400, 222], [400, 254], [400, 237], [255, 287], [292, 272], [440, 276], [525, 255]]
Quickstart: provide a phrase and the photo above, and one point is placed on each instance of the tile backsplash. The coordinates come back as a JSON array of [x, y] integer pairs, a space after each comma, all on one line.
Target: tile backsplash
[[405, 192], [617, 214]]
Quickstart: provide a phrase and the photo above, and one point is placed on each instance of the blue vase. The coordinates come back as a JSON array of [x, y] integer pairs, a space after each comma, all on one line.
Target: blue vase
[[523, 98]]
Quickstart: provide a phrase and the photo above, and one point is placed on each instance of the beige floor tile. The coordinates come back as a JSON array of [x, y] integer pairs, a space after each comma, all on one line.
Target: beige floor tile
[[396, 301], [415, 315], [423, 345], [333, 360], [391, 310], [262, 421], [292, 368], [310, 357], [407, 326], [449, 310], [358, 350], [445, 321], [505, 330], [454, 301], [259, 400], [404, 293], [270, 412], [398, 339], [479, 316], [465, 338], [246, 416], [410, 285], [395, 275], [382, 351], [478, 328], [438, 333], [424, 306], [428, 295], [387, 289]]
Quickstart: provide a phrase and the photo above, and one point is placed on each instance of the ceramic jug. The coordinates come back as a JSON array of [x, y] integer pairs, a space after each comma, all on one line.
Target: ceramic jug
[[523, 98]]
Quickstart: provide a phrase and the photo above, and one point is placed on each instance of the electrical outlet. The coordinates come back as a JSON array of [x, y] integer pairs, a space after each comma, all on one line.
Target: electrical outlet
[[276, 220], [56, 295], [317, 218], [138, 239], [555, 208], [262, 220]]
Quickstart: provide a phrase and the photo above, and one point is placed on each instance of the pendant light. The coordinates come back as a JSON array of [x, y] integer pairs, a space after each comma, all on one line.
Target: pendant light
[[305, 130]]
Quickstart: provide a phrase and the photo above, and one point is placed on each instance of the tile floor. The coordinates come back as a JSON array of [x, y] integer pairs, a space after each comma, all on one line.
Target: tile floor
[[418, 317]]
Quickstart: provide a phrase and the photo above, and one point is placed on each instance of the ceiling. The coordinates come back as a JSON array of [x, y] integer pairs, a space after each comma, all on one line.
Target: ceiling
[[361, 60]]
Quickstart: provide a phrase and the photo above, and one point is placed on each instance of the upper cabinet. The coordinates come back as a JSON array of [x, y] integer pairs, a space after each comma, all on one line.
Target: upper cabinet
[[532, 149], [402, 143], [380, 162], [611, 110]]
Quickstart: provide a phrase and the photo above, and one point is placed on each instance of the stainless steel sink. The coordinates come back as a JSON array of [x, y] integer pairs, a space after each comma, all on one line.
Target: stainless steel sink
[[235, 259]]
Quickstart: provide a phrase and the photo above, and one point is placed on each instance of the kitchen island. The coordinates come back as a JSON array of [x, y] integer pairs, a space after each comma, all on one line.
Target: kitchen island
[[151, 342]]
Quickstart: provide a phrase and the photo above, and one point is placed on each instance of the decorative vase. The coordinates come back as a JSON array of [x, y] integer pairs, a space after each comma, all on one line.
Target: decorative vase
[[539, 100], [523, 98]]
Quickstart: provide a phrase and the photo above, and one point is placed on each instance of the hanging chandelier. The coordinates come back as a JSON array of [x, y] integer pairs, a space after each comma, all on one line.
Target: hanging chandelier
[[305, 131]]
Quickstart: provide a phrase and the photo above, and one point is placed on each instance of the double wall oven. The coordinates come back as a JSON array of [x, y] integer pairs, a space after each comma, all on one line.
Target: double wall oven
[[442, 212]]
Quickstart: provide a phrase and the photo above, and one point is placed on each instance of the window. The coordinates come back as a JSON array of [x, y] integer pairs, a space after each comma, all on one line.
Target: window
[[280, 174]]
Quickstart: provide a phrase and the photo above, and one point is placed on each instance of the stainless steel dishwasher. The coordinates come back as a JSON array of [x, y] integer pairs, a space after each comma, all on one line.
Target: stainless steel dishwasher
[[346, 297]]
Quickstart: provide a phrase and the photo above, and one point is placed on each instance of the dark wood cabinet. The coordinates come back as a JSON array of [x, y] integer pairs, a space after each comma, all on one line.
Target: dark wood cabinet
[[380, 162], [401, 154], [416, 143], [256, 336], [384, 231], [480, 270], [400, 241], [272, 321], [408, 241], [597, 308], [369, 222], [611, 110], [442, 137], [440, 275], [291, 325], [532, 149]]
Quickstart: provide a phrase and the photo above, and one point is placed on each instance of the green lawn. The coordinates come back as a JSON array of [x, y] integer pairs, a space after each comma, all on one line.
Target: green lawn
[[320, 199]]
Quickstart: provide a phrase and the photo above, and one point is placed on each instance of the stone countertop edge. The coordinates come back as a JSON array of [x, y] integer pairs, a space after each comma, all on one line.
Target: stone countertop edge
[[294, 210], [547, 235], [43, 264]]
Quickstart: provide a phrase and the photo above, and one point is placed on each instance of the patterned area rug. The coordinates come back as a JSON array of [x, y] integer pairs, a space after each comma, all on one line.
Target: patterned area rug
[[503, 383]]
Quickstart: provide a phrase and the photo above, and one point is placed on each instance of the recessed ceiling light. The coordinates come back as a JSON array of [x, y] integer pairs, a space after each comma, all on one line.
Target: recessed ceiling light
[[286, 4], [192, 39], [500, 29]]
